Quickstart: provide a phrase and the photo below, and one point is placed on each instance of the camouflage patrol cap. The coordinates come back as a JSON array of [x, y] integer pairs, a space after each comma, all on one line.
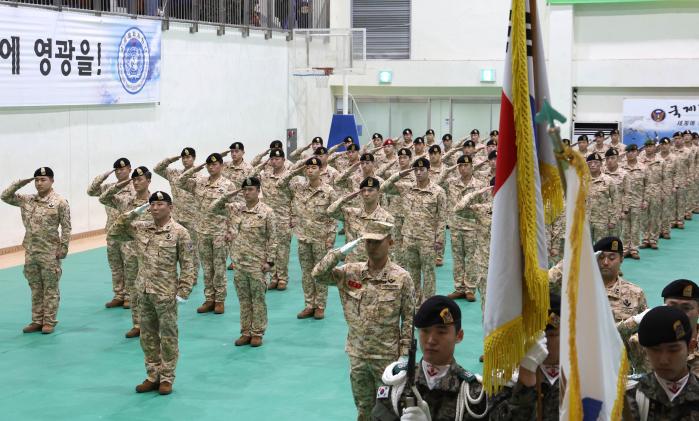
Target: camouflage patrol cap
[[664, 141], [370, 182], [492, 155], [317, 139], [611, 152], [366, 157], [407, 131], [594, 157], [376, 136], [276, 144], [43, 172], [160, 196], [632, 148], [491, 142], [214, 157], [313, 161], [610, 244], [188, 152], [681, 288], [418, 140], [251, 182], [429, 131], [405, 152], [438, 310], [664, 324], [377, 230], [141, 171], [352, 148], [320, 150], [447, 136], [276, 153], [237, 145], [434, 149], [583, 138], [465, 159], [468, 143], [421, 163], [475, 131], [121, 163]]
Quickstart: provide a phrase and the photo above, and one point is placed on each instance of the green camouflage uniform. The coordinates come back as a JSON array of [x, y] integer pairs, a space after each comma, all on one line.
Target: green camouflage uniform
[[379, 311], [42, 217], [519, 403], [160, 249], [684, 407]]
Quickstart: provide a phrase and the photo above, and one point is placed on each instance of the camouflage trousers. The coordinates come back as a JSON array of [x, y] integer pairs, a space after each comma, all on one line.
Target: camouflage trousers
[[680, 203], [440, 252], [463, 249], [195, 252], [212, 254], [668, 213], [398, 247], [481, 258], [159, 336], [365, 378], [251, 287], [315, 295], [632, 229], [130, 274], [280, 272], [43, 271], [598, 229], [651, 219], [420, 256], [117, 266], [616, 231]]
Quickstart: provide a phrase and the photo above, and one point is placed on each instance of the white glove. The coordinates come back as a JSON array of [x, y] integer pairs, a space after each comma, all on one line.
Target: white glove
[[139, 210], [349, 246], [536, 354], [417, 413], [637, 318], [180, 300]]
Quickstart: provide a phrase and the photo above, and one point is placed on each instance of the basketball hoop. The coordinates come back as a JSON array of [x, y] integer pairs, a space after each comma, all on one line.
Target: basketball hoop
[[320, 74]]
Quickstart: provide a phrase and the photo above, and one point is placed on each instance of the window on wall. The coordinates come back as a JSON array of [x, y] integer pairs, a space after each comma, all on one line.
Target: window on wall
[[387, 24]]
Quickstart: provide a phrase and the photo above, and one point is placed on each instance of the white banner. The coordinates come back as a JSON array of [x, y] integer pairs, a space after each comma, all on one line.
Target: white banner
[[658, 118], [68, 58]]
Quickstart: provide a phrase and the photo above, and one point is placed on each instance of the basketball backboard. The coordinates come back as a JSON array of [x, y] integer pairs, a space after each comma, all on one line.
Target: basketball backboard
[[324, 52]]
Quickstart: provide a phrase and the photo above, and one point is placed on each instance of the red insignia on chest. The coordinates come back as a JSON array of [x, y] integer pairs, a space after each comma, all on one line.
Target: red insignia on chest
[[354, 284]]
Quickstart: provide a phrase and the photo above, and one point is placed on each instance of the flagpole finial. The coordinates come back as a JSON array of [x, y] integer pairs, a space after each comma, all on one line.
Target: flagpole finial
[[549, 115]]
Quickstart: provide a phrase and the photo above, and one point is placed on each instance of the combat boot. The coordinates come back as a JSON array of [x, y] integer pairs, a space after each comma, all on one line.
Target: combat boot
[[219, 308], [133, 333], [305, 313], [114, 303], [31, 328], [256, 341], [47, 329], [243, 340], [319, 314], [470, 297], [147, 386], [165, 388], [208, 306], [456, 295]]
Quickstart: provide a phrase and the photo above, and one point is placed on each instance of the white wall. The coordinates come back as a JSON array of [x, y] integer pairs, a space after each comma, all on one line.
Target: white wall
[[214, 90]]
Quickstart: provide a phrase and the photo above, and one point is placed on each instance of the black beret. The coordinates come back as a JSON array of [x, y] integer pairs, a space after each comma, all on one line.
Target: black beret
[[494, 133], [566, 141], [492, 155], [649, 142], [438, 310], [429, 131], [614, 131], [121, 163], [599, 133], [353, 147], [632, 147], [465, 159], [276, 144], [583, 137], [421, 163], [664, 324], [419, 140], [681, 288], [434, 149], [321, 150], [376, 136], [492, 182], [237, 145], [276, 153], [468, 143], [160, 196], [594, 157], [251, 182], [664, 141], [370, 182], [214, 157], [446, 137], [140, 171], [491, 142], [612, 244], [695, 135], [43, 172], [366, 157], [188, 152], [554, 319], [348, 139], [475, 131], [676, 134], [313, 161], [405, 152], [407, 131], [611, 152], [687, 131], [317, 139]]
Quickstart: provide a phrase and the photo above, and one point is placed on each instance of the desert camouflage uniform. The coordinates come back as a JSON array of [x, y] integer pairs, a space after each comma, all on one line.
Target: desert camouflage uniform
[[355, 221], [424, 225], [602, 207], [254, 241], [210, 231], [620, 147], [236, 173], [634, 191], [626, 299], [160, 249], [315, 230], [435, 175], [117, 261], [651, 217], [670, 176], [394, 206], [125, 203], [617, 177], [348, 181], [685, 406], [379, 311], [555, 233], [682, 160], [41, 217]]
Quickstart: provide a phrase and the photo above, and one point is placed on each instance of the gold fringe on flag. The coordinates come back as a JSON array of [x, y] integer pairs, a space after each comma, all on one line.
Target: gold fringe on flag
[[551, 191]]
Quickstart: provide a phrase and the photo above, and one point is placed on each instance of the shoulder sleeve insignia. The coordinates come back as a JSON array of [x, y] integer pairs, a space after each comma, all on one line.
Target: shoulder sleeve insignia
[[400, 367], [383, 392], [466, 375]]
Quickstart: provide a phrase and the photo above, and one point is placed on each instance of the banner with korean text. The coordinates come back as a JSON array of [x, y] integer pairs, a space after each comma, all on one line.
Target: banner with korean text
[[657, 118], [67, 58]]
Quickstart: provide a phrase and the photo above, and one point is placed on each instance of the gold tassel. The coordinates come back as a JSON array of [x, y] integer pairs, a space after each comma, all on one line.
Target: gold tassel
[[502, 350]]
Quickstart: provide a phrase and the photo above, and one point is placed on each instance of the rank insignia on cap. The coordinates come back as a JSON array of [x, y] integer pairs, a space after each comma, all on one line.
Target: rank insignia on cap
[[121, 163], [186, 152], [687, 291], [160, 196], [446, 316], [213, 159], [43, 171], [370, 183], [615, 245], [248, 182], [139, 171], [420, 164], [679, 330], [354, 284]]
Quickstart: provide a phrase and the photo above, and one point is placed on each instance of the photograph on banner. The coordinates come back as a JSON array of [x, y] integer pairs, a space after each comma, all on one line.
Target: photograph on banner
[[66, 58], [657, 118]]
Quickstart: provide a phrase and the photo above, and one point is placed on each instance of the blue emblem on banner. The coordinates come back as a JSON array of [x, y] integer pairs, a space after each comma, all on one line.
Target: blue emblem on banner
[[134, 60]]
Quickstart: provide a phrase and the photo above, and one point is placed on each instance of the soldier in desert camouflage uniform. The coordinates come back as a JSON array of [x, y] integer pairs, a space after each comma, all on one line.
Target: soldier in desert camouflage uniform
[[634, 191], [44, 248], [378, 301], [651, 217], [602, 208], [618, 176], [162, 244], [236, 170], [117, 261], [669, 188]]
